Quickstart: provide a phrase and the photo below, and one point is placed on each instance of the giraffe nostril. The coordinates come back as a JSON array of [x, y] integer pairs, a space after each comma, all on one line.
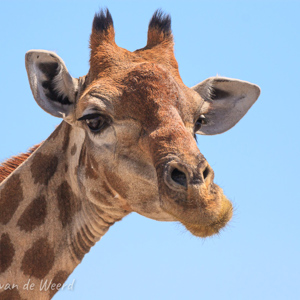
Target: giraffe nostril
[[206, 172], [179, 177]]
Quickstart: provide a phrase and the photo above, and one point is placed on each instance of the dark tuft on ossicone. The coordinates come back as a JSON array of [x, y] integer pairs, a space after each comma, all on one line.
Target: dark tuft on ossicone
[[161, 21], [102, 20]]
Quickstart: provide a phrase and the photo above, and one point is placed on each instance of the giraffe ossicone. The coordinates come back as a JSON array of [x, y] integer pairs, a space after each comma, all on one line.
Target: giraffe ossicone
[[126, 144]]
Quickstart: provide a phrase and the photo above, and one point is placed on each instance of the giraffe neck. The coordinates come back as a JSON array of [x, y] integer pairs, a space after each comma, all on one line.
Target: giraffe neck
[[47, 221]]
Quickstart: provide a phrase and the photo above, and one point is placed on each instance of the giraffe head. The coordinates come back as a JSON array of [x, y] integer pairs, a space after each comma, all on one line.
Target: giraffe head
[[137, 122]]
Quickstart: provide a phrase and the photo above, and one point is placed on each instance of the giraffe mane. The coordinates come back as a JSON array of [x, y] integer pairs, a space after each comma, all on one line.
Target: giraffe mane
[[9, 165]]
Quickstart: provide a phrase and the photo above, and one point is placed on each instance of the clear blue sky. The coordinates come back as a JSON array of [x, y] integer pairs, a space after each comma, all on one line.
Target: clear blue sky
[[256, 163]]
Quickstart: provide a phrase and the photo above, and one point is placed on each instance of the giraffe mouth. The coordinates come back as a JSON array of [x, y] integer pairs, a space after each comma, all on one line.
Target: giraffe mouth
[[203, 214], [205, 230]]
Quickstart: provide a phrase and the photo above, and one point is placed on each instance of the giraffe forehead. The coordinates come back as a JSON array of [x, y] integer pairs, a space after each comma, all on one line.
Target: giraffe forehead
[[145, 91], [151, 82], [151, 94]]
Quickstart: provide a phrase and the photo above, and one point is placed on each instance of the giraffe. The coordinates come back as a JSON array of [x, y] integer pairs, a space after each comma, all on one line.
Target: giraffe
[[126, 144]]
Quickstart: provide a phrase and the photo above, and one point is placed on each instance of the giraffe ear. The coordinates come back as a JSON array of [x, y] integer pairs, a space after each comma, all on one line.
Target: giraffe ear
[[52, 86], [226, 101]]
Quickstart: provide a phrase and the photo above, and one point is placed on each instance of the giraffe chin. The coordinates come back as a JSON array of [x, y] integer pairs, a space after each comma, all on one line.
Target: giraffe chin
[[206, 230], [204, 211]]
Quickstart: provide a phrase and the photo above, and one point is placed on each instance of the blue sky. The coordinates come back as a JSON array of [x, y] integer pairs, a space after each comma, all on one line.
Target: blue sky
[[256, 163]]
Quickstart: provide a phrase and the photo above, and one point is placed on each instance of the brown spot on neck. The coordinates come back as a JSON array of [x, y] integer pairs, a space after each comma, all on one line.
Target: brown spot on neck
[[10, 295], [39, 259], [43, 167], [68, 203], [10, 197], [7, 252], [34, 215]]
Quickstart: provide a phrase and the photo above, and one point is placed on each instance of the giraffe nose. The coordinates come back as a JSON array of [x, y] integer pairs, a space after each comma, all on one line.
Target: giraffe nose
[[179, 176]]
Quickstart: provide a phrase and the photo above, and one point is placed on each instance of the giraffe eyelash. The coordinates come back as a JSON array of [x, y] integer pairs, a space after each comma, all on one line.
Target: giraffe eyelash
[[89, 116]]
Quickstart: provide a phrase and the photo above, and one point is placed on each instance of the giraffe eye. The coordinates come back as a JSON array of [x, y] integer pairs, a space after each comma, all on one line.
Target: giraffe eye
[[199, 123], [95, 122]]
